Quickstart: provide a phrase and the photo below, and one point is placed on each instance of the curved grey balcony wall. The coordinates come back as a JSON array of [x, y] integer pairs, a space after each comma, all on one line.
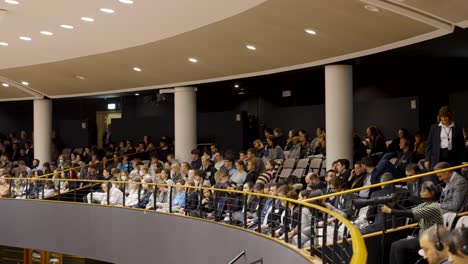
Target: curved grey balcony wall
[[121, 235]]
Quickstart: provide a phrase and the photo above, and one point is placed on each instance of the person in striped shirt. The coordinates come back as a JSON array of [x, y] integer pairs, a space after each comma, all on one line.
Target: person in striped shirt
[[427, 214]]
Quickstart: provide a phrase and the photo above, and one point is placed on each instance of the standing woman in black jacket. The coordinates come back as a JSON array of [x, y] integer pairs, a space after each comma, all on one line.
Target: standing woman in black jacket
[[445, 141]]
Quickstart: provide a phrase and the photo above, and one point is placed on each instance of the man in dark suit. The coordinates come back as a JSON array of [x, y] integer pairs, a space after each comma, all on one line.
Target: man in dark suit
[[445, 141], [374, 213], [455, 194]]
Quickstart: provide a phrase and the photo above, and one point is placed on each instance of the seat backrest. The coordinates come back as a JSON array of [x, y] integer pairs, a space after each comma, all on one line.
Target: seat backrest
[[145, 162], [462, 222], [289, 163], [285, 173], [302, 164], [78, 150], [298, 173], [315, 164], [449, 220]]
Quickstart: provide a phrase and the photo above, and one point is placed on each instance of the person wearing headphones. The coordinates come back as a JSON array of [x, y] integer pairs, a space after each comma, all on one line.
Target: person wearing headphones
[[434, 246], [427, 214], [457, 242]]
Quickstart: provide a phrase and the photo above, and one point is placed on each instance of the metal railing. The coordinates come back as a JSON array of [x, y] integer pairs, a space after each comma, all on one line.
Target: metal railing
[[275, 217]]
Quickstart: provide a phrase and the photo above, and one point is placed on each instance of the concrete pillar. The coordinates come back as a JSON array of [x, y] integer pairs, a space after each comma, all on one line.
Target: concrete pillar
[[185, 122], [339, 112], [42, 129]]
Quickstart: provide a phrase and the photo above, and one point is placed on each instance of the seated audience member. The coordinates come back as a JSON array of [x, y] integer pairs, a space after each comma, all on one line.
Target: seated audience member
[[125, 165], [330, 174], [342, 169], [207, 204], [433, 242], [4, 188], [375, 140], [219, 160], [240, 174], [278, 134], [191, 205], [268, 175], [405, 156], [419, 145], [200, 179], [5, 162], [374, 212], [290, 215], [134, 192], [295, 150], [454, 196], [259, 148], [252, 174], [18, 172], [214, 148], [427, 214], [313, 182], [196, 162], [179, 201], [136, 165], [147, 190], [289, 141], [115, 195], [209, 169], [164, 149], [228, 166], [250, 156], [457, 243], [342, 202], [274, 151], [356, 179], [394, 148], [359, 149], [175, 172], [49, 190], [163, 198]]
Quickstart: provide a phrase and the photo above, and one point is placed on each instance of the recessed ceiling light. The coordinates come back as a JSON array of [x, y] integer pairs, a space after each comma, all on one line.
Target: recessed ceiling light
[[79, 77], [5, 85], [25, 83], [25, 38], [87, 19], [107, 10], [371, 8], [137, 94], [236, 86], [193, 60], [310, 31], [3, 44], [67, 26], [137, 69], [128, 2], [13, 2], [251, 47], [47, 33]]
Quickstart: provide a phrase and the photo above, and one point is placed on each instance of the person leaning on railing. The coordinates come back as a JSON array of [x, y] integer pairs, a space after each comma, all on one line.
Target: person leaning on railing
[[427, 214], [4, 188]]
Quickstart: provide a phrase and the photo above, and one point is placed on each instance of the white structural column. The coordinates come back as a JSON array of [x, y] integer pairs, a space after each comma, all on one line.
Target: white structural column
[[42, 129], [185, 122], [339, 112]]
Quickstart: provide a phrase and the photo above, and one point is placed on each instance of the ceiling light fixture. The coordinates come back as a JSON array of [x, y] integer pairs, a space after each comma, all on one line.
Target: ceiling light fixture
[[87, 19], [251, 47], [79, 77], [137, 69], [5, 85], [371, 8], [13, 2], [193, 60], [128, 2], [47, 33], [137, 94], [107, 10], [310, 31], [25, 38], [3, 44], [24, 83], [67, 26], [236, 86]]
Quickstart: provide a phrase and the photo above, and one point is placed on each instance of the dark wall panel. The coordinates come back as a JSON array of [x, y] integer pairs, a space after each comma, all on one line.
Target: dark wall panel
[[220, 127], [16, 116], [459, 106]]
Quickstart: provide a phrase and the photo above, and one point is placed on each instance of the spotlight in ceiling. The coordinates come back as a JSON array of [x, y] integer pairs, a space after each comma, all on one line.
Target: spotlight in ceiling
[[128, 2], [107, 10], [13, 2], [137, 69], [236, 86], [47, 33], [193, 60], [24, 83], [241, 92], [251, 47], [67, 26], [87, 19], [25, 38], [5, 85], [79, 77], [371, 8], [137, 94], [310, 31], [3, 44]]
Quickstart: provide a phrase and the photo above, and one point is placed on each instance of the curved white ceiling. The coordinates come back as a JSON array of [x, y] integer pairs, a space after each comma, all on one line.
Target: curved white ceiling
[[132, 25]]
